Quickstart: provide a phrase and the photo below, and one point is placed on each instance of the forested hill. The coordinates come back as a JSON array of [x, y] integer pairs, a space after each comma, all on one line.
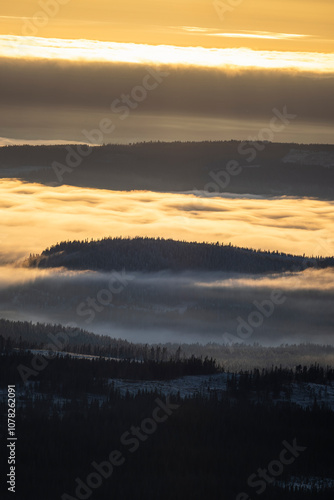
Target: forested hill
[[270, 169], [150, 255]]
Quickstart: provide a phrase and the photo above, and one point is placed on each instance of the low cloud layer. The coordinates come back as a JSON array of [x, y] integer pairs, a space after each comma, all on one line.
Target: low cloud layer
[[37, 216], [184, 307]]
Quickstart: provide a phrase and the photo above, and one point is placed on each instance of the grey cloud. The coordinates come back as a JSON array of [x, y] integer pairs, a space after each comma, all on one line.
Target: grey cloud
[[185, 307], [187, 91]]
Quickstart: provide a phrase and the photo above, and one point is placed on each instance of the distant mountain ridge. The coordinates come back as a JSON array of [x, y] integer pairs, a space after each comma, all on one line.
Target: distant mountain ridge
[[281, 169], [152, 255]]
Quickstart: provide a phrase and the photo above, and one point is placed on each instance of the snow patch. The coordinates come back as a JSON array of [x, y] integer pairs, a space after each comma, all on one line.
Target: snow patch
[[305, 157], [311, 483]]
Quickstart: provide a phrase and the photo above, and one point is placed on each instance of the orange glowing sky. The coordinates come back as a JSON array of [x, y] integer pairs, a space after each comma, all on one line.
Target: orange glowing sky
[[285, 38], [89, 50], [182, 22], [294, 26]]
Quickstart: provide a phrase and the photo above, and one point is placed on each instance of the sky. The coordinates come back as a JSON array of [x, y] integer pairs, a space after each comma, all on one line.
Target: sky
[[306, 25], [228, 65]]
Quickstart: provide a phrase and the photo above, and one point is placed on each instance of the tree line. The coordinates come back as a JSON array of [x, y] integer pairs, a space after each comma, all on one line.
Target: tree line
[[208, 447], [157, 254]]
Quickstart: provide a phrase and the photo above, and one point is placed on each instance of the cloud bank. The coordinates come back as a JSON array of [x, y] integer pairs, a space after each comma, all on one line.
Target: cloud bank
[[56, 99], [30, 47], [184, 307], [36, 216]]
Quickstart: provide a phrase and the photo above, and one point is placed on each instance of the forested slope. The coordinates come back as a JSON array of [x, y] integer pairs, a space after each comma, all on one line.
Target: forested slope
[[151, 255], [271, 169]]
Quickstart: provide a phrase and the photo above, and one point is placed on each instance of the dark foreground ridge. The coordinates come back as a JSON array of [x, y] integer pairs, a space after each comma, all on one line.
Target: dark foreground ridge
[[152, 255], [74, 420]]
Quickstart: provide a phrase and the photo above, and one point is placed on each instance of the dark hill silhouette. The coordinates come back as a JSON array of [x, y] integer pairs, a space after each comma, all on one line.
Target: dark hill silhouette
[[179, 166], [151, 255]]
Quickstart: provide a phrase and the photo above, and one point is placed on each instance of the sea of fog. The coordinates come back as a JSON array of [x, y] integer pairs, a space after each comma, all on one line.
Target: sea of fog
[[161, 307], [182, 307]]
